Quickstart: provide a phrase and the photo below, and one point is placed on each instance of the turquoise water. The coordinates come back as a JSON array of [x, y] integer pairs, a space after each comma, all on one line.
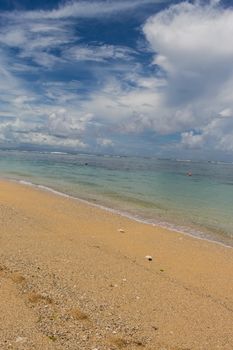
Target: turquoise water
[[147, 188]]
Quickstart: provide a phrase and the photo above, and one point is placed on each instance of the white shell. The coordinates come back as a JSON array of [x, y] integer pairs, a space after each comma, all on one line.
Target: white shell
[[149, 257], [121, 230]]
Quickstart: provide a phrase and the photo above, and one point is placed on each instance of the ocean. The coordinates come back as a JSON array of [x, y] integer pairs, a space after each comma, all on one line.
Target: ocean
[[156, 191]]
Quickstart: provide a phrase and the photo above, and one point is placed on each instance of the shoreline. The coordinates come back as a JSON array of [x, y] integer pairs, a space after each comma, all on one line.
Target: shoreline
[[187, 231], [71, 279]]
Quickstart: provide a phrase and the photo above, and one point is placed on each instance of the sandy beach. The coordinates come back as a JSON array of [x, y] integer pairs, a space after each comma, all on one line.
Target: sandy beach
[[74, 276]]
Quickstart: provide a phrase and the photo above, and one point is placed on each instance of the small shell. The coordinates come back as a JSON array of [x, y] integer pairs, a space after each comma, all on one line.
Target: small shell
[[121, 230], [21, 340]]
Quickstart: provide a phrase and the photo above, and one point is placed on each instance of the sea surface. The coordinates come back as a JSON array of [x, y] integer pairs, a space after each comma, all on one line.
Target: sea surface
[[157, 191]]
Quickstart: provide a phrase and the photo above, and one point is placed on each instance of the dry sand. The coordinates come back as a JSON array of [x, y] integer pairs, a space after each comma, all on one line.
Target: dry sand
[[70, 280]]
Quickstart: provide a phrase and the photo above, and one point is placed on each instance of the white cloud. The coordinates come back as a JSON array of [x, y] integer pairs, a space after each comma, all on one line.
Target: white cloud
[[11, 87], [66, 123], [85, 9], [99, 53], [26, 119], [50, 140], [105, 142], [226, 113], [35, 40], [190, 140], [193, 47], [13, 38], [49, 42], [18, 131]]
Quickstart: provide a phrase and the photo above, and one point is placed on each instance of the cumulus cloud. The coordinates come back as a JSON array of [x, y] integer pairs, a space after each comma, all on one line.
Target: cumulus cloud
[[18, 131], [64, 123], [105, 142], [193, 47], [190, 140]]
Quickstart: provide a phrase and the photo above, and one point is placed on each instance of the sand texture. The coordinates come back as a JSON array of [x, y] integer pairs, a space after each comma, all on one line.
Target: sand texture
[[73, 276]]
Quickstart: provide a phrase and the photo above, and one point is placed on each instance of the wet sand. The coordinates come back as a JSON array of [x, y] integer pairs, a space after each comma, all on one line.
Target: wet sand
[[69, 279]]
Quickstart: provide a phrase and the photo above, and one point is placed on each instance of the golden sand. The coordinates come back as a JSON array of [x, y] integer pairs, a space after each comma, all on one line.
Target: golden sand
[[70, 279]]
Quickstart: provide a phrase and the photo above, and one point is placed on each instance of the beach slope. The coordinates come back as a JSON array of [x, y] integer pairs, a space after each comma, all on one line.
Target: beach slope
[[74, 276]]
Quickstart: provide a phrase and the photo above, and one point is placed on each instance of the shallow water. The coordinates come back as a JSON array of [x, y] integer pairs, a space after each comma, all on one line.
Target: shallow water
[[148, 188]]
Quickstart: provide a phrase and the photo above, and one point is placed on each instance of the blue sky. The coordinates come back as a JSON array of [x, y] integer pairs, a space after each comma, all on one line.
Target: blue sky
[[149, 77]]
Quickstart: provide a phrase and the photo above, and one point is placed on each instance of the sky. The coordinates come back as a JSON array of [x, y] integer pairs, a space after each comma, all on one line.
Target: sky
[[147, 77]]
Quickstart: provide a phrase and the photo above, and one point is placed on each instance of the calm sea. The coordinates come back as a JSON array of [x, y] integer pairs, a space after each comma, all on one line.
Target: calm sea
[[155, 190]]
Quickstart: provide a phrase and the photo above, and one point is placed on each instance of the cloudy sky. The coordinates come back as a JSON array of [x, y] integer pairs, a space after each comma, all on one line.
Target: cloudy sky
[[149, 77]]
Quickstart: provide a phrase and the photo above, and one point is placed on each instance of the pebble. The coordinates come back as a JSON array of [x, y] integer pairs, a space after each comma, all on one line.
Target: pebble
[[149, 257]]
